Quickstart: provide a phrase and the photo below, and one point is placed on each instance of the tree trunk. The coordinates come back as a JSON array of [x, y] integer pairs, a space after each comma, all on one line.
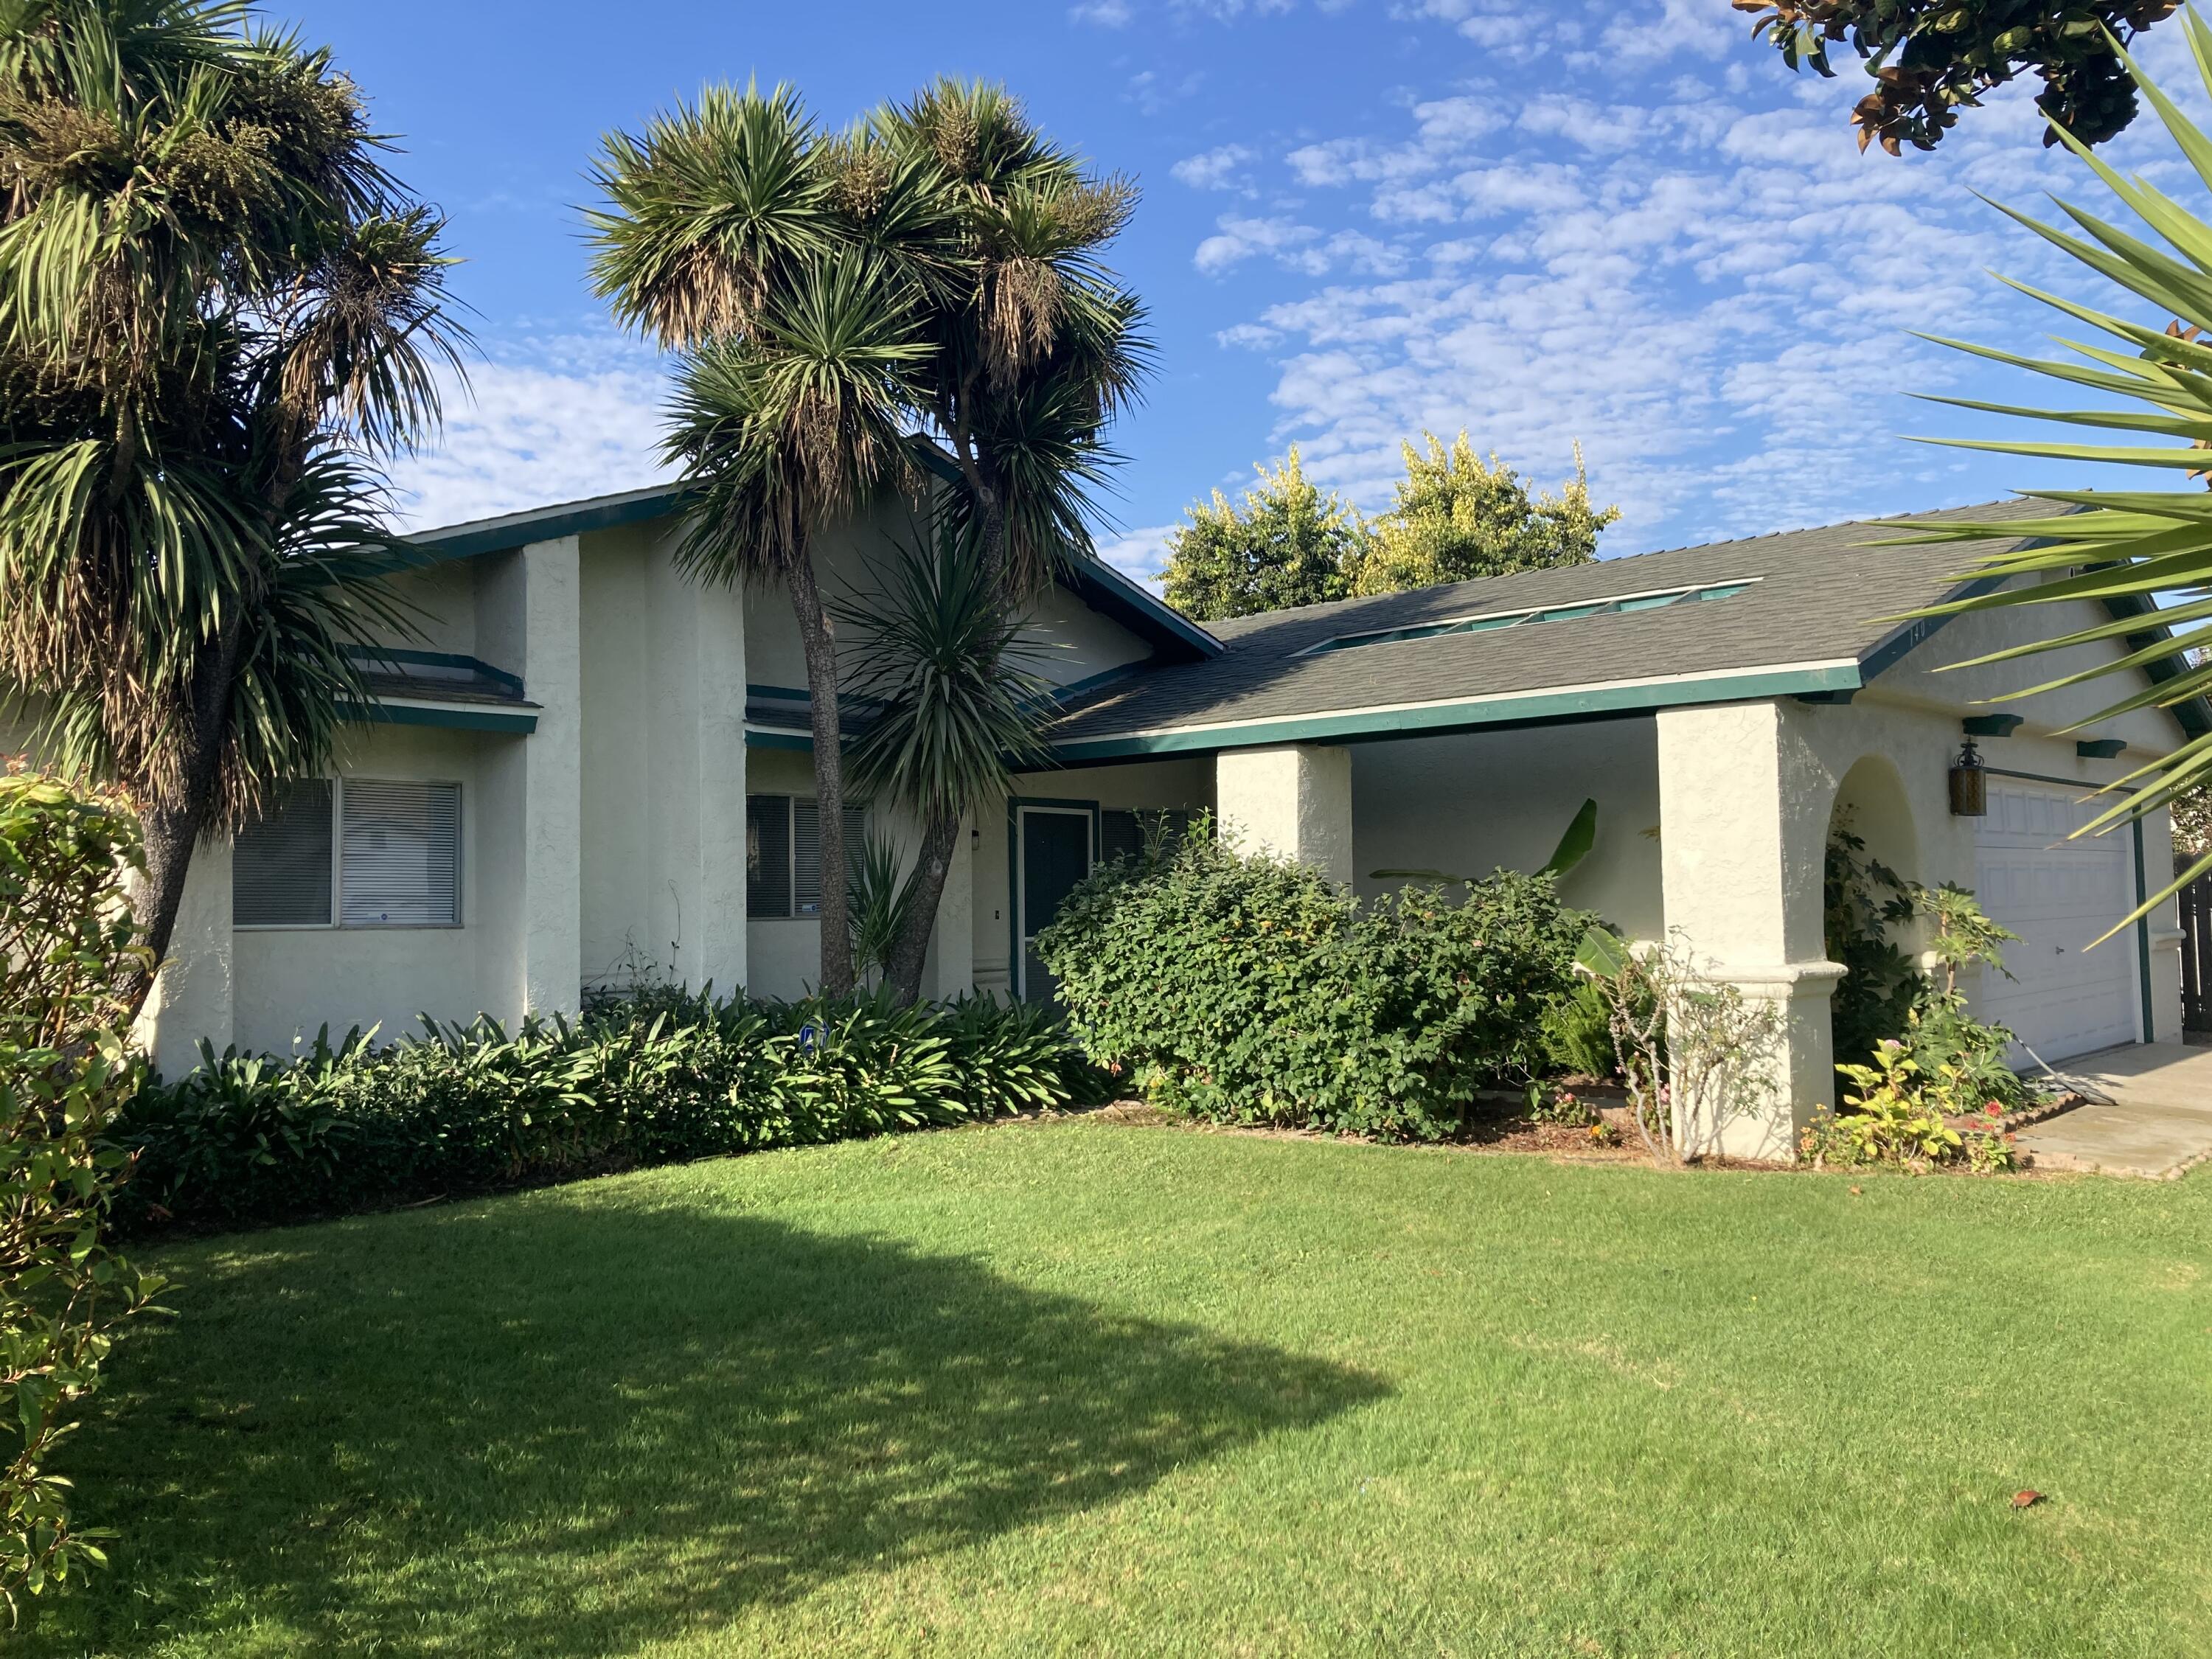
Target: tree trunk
[[939, 839], [173, 827], [820, 647]]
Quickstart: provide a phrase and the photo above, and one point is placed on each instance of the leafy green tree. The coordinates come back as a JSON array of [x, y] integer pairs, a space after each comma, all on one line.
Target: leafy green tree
[[1931, 58], [1457, 518], [1289, 545], [935, 272], [218, 313], [2124, 546]]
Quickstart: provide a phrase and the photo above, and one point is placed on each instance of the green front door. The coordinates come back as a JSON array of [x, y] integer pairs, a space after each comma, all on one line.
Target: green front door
[[1056, 854]]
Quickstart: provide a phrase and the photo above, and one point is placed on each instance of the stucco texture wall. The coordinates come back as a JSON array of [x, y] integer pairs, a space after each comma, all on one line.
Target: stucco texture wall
[[288, 981], [1479, 801]]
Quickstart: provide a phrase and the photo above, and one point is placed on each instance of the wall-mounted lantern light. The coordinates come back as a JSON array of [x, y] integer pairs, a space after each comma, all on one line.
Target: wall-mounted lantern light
[[1970, 784]]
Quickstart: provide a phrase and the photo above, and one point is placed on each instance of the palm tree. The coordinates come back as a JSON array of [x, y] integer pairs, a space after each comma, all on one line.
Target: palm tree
[[218, 313], [954, 710], [1033, 347], [2123, 547], [787, 270], [944, 257]]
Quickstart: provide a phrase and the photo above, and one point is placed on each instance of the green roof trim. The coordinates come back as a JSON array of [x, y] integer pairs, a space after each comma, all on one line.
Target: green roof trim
[[1352, 725], [456, 720], [1100, 586]]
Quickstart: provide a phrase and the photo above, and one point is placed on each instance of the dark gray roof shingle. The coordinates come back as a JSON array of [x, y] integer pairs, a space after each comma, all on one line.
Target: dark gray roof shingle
[[1821, 598]]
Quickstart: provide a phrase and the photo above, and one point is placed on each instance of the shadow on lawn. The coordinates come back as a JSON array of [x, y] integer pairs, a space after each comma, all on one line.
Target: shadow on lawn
[[567, 1429]]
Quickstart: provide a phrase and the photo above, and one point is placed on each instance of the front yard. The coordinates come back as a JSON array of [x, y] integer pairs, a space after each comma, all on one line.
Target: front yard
[[1085, 1386]]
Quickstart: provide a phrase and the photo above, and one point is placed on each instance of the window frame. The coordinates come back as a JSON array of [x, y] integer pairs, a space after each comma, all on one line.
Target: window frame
[[337, 924], [863, 811]]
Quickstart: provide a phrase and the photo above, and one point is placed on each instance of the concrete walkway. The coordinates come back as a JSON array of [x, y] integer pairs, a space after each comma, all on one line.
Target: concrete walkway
[[2160, 1121]]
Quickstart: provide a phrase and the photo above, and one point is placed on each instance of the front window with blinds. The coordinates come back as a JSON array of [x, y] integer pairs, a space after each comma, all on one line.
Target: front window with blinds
[[783, 853], [356, 853]]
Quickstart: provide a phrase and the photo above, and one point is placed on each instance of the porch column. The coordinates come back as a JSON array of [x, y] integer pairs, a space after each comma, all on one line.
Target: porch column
[[1744, 811], [531, 828], [1294, 802]]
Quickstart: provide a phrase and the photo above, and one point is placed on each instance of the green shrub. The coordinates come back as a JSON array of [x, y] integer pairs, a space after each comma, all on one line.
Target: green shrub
[[1577, 1032], [1249, 990], [667, 1075], [67, 957]]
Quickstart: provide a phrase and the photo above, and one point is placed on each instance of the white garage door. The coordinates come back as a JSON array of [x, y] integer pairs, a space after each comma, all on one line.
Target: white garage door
[[2057, 895]]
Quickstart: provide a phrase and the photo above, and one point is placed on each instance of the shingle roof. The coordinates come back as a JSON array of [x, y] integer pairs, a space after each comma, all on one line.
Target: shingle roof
[[1816, 609]]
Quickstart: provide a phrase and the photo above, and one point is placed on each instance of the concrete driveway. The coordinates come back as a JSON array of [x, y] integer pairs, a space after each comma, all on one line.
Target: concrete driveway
[[2160, 1121]]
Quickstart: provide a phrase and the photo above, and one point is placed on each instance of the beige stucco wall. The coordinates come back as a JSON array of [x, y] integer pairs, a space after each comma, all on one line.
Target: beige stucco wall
[[662, 675], [1473, 802]]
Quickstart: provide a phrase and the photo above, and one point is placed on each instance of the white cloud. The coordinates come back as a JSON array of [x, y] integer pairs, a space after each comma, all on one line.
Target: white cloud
[[1694, 273], [1222, 168], [558, 419], [1105, 14], [1139, 555]]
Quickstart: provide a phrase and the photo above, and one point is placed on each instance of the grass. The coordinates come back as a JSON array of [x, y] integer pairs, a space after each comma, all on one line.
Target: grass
[[1087, 1388]]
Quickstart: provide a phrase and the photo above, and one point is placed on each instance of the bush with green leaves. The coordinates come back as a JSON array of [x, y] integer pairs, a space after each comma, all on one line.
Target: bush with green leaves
[[666, 1075], [67, 957], [1249, 989]]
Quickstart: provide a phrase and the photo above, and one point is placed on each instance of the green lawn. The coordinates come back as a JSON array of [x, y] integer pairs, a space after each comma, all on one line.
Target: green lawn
[[1092, 1387]]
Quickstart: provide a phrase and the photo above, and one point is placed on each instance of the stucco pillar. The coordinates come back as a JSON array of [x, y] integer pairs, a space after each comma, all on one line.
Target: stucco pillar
[[530, 831], [1744, 808], [696, 772], [1294, 802], [191, 997]]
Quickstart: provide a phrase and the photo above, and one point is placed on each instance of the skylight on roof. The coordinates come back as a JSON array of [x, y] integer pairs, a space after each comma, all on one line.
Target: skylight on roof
[[1570, 612]]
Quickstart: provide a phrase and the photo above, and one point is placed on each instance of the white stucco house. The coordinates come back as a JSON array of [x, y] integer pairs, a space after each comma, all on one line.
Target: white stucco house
[[591, 769]]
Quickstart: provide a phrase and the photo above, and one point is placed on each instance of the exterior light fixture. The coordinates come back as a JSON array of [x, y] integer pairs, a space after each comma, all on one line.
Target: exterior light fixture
[[1970, 784]]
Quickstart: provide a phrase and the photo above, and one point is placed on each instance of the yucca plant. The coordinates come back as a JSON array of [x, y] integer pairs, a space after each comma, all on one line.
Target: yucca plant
[[219, 314], [955, 711], [2126, 548]]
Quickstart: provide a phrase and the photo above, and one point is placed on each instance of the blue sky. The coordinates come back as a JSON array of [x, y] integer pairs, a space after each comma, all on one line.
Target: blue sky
[[1361, 218]]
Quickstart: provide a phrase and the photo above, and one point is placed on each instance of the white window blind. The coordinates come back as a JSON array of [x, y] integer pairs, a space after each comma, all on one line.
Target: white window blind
[[806, 852], [280, 868], [401, 855]]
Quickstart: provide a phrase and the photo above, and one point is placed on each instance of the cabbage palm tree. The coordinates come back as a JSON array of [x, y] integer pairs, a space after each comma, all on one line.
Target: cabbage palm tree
[[218, 313], [788, 269], [938, 264], [2128, 546], [953, 712], [1033, 347]]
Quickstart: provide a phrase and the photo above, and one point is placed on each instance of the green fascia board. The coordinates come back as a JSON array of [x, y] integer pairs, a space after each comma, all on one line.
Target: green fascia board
[[457, 719], [393, 654], [1105, 589], [549, 524], [797, 740], [2194, 714], [1558, 707]]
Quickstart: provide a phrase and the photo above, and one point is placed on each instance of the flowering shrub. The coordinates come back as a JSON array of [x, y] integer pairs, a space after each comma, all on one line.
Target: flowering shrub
[[1908, 1117]]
